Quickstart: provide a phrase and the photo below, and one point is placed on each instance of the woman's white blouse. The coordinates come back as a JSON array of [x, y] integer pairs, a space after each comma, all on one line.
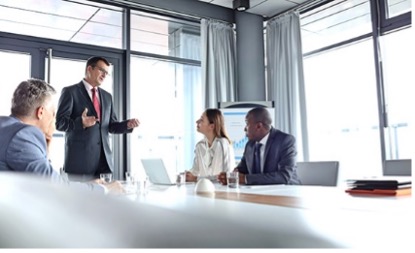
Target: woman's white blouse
[[210, 161]]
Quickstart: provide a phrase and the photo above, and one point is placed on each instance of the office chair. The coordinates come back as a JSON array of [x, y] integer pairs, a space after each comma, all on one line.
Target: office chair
[[324, 173], [402, 167]]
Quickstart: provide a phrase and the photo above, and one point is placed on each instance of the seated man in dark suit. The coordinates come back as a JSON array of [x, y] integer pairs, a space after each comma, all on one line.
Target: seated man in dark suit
[[269, 156], [26, 134]]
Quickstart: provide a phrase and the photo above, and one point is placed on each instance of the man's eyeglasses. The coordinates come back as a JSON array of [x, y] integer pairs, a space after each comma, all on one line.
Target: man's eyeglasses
[[103, 71]]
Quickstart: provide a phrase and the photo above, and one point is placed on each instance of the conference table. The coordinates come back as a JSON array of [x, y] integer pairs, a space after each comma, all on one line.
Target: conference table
[[40, 214], [287, 216]]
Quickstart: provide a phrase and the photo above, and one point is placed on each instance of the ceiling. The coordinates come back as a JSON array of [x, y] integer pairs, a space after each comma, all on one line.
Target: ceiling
[[265, 8]]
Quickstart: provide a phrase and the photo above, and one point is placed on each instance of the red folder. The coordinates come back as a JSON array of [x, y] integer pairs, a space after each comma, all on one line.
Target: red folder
[[393, 192]]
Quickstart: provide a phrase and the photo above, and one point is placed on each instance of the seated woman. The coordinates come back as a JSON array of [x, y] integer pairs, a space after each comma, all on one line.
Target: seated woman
[[214, 153]]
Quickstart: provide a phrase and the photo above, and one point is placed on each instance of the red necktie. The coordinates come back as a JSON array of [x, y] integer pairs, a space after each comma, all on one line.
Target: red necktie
[[95, 101]]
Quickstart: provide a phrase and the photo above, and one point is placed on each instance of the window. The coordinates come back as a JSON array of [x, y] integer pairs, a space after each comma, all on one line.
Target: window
[[160, 35], [341, 107], [345, 94], [165, 90], [18, 64], [167, 106], [400, 89], [335, 22]]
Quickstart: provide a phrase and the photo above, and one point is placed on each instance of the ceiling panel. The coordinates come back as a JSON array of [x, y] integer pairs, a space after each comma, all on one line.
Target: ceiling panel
[[270, 9], [265, 8]]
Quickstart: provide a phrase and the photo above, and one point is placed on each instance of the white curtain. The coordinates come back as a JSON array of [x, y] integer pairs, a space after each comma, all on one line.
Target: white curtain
[[285, 75], [218, 62]]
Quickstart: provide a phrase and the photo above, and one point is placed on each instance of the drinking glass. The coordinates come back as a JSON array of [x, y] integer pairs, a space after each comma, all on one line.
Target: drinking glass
[[233, 179], [106, 177]]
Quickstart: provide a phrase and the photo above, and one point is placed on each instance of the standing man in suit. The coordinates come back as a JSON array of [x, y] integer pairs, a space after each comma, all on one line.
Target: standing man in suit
[[86, 114], [269, 156]]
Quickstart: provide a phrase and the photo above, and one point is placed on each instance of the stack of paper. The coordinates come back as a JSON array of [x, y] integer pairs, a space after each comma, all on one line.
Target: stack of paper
[[379, 187]]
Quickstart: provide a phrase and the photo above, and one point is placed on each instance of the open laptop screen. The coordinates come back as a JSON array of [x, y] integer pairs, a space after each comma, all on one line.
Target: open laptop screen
[[156, 171]]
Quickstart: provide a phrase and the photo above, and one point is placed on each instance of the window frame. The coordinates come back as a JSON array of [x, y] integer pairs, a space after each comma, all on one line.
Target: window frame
[[389, 24]]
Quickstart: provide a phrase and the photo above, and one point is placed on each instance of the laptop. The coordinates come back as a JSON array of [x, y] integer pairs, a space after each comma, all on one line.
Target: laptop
[[156, 171]]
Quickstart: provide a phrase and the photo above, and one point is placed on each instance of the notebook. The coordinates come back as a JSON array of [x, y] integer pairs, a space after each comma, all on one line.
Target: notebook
[[380, 187], [379, 184], [156, 171]]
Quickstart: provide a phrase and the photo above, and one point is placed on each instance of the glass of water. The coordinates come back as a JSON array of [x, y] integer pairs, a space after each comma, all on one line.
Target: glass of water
[[232, 178], [106, 177], [141, 185]]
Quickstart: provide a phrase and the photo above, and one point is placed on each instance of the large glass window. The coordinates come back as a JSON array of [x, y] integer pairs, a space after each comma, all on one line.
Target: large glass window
[[165, 94], [164, 36], [344, 91], [400, 90], [335, 22], [342, 109], [165, 97], [77, 21], [18, 64]]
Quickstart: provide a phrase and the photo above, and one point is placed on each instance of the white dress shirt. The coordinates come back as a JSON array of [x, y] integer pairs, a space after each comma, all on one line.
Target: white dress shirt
[[88, 88], [210, 161]]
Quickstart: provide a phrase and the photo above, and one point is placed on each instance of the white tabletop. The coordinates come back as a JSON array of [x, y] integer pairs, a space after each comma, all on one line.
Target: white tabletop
[[34, 213], [327, 216]]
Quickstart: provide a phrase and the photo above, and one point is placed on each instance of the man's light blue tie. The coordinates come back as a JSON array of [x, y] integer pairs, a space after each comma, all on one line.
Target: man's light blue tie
[[257, 159]]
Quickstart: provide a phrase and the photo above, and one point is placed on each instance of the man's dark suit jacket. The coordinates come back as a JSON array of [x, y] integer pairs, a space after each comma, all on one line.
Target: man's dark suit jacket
[[280, 160], [83, 146]]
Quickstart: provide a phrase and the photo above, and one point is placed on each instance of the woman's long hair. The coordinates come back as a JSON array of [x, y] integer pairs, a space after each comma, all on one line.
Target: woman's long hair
[[215, 116]]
